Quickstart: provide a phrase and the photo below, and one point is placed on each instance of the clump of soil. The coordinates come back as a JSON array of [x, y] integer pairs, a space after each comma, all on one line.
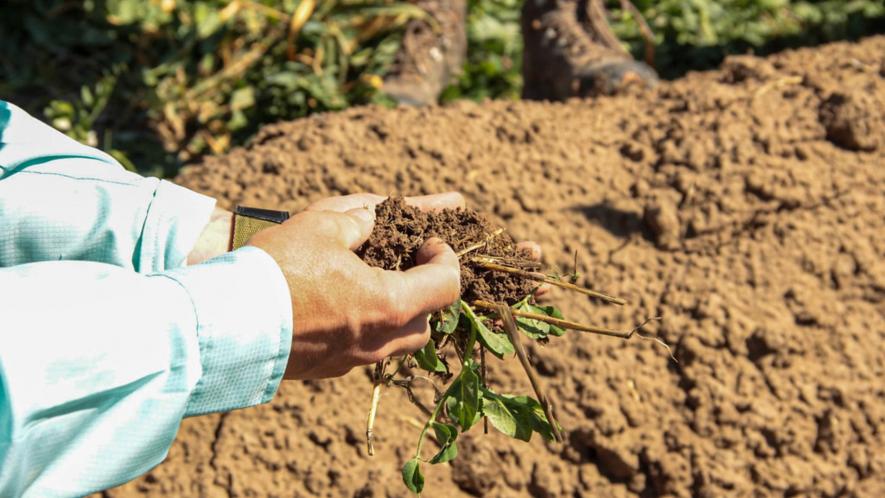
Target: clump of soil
[[725, 201], [400, 230]]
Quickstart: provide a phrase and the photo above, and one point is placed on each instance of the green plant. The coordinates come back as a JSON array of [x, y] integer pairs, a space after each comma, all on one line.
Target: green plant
[[195, 76], [77, 119], [495, 315], [698, 33], [494, 52], [468, 399]]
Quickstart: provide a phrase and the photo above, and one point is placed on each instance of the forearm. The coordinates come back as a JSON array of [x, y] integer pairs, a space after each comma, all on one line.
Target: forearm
[[99, 364]]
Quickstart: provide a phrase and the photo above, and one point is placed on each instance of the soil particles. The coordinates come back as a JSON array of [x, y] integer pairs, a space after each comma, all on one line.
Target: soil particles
[[400, 230], [743, 205]]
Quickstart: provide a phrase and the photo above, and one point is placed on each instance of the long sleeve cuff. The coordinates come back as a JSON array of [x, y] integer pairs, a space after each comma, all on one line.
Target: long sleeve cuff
[[175, 219], [244, 326]]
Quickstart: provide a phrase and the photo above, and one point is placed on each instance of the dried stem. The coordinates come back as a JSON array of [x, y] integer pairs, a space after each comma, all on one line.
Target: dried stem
[[370, 423], [480, 245], [510, 326], [648, 35], [567, 324], [658, 340], [540, 277], [598, 19], [378, 379], [406, 386]]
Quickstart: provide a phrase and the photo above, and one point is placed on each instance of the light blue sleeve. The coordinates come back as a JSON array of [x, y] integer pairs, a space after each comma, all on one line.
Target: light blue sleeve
[[62, 200], [98, 364]]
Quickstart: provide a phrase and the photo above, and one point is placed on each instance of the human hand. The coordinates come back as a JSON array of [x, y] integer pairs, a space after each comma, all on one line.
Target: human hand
[[345, 312]]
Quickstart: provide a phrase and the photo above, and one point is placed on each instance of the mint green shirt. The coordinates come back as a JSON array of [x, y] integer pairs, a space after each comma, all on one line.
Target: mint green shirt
[[106, 339]]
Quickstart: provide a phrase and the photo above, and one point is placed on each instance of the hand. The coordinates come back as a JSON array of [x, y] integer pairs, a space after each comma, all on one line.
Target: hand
[[347, 313]]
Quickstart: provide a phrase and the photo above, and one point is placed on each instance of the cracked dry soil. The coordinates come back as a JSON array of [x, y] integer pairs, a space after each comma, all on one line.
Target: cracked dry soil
[[744, 205]]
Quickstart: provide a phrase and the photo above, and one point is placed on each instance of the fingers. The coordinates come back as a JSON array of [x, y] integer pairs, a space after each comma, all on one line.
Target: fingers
[[532, 248], [350, 229], [436, 202], [364, 220], [413, 337], [344, 203], [431, 285]]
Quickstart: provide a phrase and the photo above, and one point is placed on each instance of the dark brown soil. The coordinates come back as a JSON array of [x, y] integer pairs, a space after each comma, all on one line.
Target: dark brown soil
[[743, 205], [400, 230]]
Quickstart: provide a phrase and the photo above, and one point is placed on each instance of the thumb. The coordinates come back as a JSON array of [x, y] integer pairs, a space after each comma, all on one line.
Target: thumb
[[364, 222], [435, 282]]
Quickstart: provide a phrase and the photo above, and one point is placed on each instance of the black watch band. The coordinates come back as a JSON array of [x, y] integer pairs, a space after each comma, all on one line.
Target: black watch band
[[248, 221]]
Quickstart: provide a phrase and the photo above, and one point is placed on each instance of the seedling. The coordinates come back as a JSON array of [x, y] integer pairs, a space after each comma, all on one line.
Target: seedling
[[496, 313]]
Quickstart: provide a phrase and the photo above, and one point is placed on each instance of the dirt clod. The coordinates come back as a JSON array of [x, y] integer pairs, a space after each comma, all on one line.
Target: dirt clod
[[854, 122]]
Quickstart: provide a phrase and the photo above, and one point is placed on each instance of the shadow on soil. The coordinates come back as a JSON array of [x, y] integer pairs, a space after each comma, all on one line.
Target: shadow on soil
[[617, 222]]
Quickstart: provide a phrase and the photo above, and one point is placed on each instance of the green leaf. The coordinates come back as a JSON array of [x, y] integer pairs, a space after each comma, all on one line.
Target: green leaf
[[529, 413], [242, 98], [446, 435], [537, 329], [552, 312], [412, 476], [498, 344], [448, 321], [500, 416], [428, 360], [467, 398]]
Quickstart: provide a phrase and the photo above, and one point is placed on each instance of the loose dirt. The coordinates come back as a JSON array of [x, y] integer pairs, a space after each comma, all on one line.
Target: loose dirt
[[400, 230], [744, 205]]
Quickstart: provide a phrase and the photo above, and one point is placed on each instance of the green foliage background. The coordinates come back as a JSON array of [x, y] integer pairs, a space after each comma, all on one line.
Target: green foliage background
[[160, 82]]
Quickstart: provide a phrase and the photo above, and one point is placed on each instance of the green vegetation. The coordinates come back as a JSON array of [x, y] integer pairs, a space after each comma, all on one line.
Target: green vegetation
[[164, 81], [160, 82], [467, 399]]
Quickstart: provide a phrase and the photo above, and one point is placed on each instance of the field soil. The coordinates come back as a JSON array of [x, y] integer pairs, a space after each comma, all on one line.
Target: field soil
[[743, 205]]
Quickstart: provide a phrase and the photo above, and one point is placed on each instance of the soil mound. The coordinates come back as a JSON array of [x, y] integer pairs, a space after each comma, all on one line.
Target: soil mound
[[743, 205]]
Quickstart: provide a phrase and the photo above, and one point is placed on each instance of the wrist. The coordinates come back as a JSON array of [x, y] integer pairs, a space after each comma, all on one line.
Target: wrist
[[215, 238]]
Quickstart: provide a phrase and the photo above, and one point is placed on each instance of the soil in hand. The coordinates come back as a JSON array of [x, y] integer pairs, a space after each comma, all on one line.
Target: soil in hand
[[400, 230]]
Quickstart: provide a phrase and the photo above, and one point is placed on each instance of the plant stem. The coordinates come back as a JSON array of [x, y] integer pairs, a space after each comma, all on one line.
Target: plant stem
[[379, 380], [510, 326], [540, 277], [430, 422], [471, 338], [566, 324], [370, 436], [482, 244], [482, 374]]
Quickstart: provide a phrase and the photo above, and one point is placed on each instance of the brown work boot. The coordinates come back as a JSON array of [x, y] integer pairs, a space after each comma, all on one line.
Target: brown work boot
[[570, 51], [430, 56]]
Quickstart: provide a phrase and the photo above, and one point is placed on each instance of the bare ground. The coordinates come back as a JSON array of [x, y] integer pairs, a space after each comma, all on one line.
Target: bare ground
[[744, 205]]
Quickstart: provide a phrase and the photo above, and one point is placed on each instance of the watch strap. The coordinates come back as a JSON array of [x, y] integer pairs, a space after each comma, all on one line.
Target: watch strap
[[248, 221]]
